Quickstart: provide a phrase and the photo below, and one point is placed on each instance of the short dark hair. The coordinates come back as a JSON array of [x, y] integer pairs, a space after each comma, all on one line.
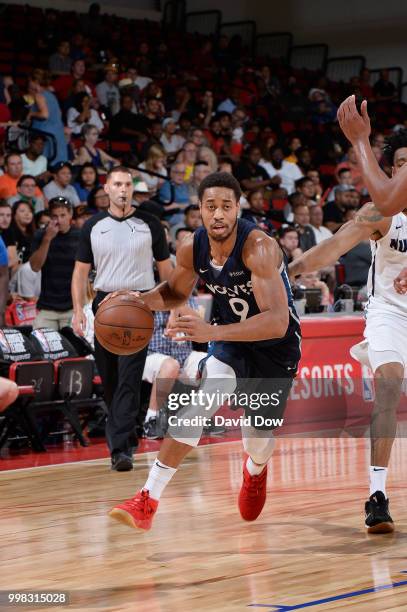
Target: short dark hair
[[397, 140], [117, 169], [5, 204], [11, 154], [286, 229], [183, 229], [59, 202], [342, 170], [220, 179], [301, 182], [37, 136], [191, 207], [58, 166], [24, 177]]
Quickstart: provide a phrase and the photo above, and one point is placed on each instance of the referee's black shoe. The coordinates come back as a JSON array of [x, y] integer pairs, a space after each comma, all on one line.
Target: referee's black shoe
[[121, 462], [378, 519]]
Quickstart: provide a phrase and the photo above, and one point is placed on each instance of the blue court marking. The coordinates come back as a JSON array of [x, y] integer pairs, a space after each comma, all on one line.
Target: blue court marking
[[318, 602]]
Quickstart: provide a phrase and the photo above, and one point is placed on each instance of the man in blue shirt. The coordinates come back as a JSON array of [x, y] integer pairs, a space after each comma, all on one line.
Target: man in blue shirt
[[174, 194]]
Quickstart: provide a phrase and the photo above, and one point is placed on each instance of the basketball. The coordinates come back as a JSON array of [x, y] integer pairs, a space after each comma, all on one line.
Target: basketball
[[124, 324]]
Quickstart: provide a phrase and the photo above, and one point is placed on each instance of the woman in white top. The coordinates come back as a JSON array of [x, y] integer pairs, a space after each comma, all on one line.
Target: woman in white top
[[155, 162], [81, 113]]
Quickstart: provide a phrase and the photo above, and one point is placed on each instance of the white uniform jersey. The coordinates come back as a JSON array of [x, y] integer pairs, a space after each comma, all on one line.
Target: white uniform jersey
[[389, 256]]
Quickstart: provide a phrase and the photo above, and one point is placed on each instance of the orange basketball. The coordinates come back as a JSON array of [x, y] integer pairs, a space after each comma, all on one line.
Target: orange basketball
[[124, 324]]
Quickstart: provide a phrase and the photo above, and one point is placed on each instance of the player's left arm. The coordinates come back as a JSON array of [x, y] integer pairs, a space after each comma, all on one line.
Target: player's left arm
[[388, 194], [263, 258]]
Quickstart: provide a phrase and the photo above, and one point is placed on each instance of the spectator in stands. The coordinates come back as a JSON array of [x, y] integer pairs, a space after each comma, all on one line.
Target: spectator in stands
[[174, 193], [166, 362], [90, 153], [139, 81], [80, 215], [187, 156], [98, 199], [154, 109], [344, 177], [127, 125], [60, 62], [13, 167], [53, 252], [312, 280], [87, 180], [170, 141], [366, 90], [23, 225], [155, 162], [334, 212], [316, 219], [294, 143], [252, 175], [351, 163], [81, 114], [384, 90], [201, 170], [305, 162], [313, 174], [275, 165], [208, 155], [191, 220], [198, 138], [305, 186], [64, 85], [256, 213], [108, 93], [34, 162], [7, 235], [61, 186], [357, 262], [154, 133], [45, 115], [289, 241], [305, 233], [27, 190]]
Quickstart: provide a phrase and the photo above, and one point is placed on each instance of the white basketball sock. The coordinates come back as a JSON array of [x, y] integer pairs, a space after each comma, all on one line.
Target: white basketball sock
[[158, 478], [150, 415], [378, 477], [254, 469]]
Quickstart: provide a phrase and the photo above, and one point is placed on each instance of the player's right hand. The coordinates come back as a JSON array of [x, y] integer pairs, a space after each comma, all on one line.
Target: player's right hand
[[400, 282], [79, 322]]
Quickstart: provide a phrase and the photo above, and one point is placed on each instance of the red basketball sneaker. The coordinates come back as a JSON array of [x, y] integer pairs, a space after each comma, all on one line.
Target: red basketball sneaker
[[252, 495], [136, 512]]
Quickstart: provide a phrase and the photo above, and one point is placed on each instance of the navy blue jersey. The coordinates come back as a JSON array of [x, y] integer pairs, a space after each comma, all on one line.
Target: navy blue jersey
[[231, 286]]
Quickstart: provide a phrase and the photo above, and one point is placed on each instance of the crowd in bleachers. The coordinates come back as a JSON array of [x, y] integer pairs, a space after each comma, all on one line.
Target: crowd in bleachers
[[82, 93]]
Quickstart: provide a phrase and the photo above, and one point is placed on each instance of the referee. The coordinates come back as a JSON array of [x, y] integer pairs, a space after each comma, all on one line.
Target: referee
[[121, 244]]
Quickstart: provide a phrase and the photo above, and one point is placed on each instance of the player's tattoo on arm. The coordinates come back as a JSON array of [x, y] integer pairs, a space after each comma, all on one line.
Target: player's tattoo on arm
[[370, 215]]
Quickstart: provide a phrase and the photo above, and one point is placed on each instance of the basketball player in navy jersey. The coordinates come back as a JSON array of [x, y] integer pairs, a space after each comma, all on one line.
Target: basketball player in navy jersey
[[257, 337]]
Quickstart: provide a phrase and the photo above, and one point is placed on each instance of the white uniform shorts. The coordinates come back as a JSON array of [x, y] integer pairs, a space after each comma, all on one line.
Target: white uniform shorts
[[385, 340], [188, 373]]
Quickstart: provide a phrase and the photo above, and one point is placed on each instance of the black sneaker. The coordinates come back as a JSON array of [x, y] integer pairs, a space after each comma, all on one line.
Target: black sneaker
[[153, 429], [121, 462], [378, 519]]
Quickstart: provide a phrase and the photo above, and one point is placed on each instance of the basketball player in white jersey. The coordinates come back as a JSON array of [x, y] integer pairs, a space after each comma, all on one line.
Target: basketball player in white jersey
[[385, 346]]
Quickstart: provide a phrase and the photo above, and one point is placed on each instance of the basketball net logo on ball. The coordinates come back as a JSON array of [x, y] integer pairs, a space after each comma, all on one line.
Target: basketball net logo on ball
[[124, 325]]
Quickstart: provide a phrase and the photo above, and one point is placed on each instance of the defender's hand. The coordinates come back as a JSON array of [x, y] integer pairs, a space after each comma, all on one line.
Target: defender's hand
[[354, 125], [400, 282]]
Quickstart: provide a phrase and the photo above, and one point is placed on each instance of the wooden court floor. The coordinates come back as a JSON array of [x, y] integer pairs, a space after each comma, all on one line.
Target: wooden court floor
[[307, 550]]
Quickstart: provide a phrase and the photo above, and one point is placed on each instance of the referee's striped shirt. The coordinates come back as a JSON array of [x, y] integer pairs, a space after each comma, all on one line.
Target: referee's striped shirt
[[122, 250]]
